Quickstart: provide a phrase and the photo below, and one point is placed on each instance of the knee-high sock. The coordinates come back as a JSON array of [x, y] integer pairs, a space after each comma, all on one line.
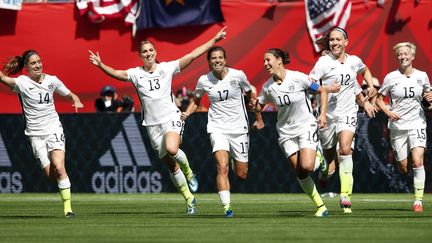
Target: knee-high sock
[[225, 199], [419, 182], [345, 175], [64, 186], [179, 181], [309, 188], [182, 160]]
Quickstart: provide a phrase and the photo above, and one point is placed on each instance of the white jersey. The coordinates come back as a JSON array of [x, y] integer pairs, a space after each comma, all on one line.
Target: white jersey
[[292, 103], [37, 101], [327, 70], [227, 111], [406, 95], [154, 90]]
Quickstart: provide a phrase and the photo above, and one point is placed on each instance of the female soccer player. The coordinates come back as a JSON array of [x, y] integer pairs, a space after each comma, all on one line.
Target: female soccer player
[[407, 121], [43, 127], [296, 126], [342, 108], [228, 124], [161, 117]]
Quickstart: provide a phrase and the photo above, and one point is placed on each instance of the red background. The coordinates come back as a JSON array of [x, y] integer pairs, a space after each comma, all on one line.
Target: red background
[[62, 37]]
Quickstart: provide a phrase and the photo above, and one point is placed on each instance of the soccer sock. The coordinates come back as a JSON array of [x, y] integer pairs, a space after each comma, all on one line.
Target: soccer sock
[[182, 160], [179, 181], [317, 162], [65, 193], [345, 175], [225, 199], [419, 182], [309, 188]]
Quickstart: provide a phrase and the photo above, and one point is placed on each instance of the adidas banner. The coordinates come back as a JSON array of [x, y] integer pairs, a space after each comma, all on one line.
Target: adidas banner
[[111, 153]]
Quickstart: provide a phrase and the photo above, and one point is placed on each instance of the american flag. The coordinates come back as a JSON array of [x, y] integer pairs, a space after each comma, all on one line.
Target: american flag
[[99, 10], [322, 15]]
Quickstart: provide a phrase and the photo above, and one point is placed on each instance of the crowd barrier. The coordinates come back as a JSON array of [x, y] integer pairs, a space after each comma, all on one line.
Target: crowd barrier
[[111, 153]]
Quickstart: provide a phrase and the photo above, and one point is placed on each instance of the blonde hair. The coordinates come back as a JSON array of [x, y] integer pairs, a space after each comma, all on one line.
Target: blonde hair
[[410, 45]]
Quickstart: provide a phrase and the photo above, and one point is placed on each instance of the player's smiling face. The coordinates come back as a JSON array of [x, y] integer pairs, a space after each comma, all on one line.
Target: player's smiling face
[[405, 56], [34, 66], [271, 62], [217, 61], [148, 54], [337, 43]]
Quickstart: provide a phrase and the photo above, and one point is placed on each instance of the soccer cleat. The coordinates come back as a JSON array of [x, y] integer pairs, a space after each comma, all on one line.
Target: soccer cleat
[[323, 170], [322, 212], [418, 207], [193, 183], [345, 204], [347, 210], [69, 215], [190, 210], [229, 213]]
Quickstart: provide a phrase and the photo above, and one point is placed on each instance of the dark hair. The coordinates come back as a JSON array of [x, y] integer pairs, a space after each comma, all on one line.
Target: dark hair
[[344, 33], [278, 53], [16, 64], [213, 49], [143, 43]]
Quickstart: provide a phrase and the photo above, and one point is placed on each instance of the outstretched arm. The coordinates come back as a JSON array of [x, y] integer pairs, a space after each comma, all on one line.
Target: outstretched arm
[[7, 80], [76, 101], [188, 58], [96, 60]]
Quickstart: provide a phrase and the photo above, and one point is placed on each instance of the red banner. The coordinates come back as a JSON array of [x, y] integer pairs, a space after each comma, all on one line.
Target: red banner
[[63, 39]]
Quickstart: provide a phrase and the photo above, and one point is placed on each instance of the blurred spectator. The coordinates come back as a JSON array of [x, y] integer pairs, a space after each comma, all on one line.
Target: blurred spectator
[[182, 98], [108, 102], [127, 104]]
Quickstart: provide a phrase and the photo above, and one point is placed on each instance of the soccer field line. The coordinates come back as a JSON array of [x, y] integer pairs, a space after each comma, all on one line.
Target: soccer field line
[[135, 197]]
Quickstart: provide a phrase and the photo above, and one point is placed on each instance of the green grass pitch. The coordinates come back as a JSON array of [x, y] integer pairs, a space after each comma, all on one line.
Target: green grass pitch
[[258, 218]]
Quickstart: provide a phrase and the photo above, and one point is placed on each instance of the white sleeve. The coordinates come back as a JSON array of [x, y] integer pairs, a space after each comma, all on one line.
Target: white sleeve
[[317, 71], [132, 77], [262, 97], [359, 66], [386, 86], [18, 84], [304, 79], [199, 89], [426, 84], [244, 83], [61, 89]]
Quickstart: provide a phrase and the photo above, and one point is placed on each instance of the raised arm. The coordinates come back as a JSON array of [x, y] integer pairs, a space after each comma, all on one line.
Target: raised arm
[[96, 60], [7, 80], [188, 58]]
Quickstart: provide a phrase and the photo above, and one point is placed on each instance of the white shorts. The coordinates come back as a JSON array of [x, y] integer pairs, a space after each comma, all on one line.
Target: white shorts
[[401, 140], [157, 133], [42, 145], [329, 135], [237, 145], [308, 139]]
